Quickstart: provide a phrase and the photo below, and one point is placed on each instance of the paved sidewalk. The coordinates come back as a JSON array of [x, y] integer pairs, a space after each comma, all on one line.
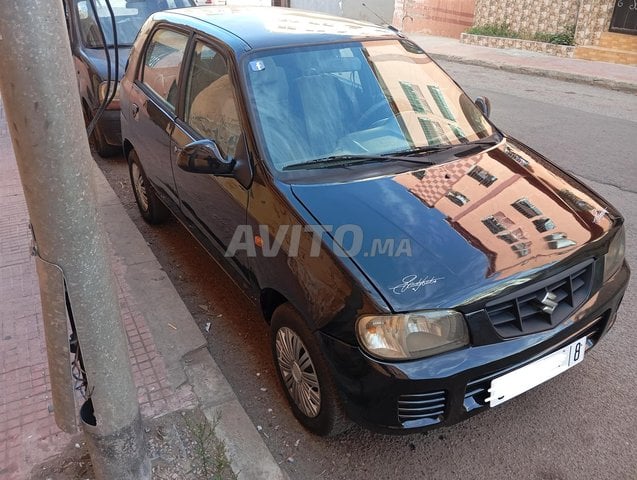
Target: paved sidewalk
[[171, 367], [602, 74]]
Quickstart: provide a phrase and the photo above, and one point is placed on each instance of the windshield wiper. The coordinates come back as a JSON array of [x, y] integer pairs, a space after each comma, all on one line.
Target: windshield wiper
[[409, 156], [424, 149], [494, 140], [346, 160], [446, 146]]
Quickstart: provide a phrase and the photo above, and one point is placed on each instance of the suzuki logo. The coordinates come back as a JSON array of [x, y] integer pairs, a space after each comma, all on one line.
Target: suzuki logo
[[549, 303]]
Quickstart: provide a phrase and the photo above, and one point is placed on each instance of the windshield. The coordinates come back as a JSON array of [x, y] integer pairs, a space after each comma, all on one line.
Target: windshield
[[129, 18], [371, 98]]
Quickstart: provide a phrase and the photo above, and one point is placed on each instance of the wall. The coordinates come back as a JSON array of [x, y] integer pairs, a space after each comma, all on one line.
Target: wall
[[502, 42], [447, 18], [332, 7], [350, 8], [548, 16], [594, 19]]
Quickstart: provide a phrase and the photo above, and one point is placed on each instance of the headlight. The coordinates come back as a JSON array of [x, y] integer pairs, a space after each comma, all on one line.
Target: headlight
[[114, 105], [615, 257], [414, 335]]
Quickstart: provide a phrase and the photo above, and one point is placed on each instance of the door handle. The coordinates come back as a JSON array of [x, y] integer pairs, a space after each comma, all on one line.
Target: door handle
[[134, 110]]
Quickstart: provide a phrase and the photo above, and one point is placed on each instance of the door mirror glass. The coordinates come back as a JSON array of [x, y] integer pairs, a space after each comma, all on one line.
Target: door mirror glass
[[484, 104], [204, 156]]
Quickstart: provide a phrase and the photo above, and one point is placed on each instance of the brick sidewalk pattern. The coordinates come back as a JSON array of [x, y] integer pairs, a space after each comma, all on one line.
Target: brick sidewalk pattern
[[28, 433]]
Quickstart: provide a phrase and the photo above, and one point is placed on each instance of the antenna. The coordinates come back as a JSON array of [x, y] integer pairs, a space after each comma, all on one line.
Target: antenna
[[389, 25]]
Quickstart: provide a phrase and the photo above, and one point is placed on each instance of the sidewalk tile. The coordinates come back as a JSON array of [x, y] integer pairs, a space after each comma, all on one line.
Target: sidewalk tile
[[28, 433]]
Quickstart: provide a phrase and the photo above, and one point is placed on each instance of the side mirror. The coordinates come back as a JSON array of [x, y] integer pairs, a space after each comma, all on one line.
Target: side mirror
[[484, 104], [204, 156]]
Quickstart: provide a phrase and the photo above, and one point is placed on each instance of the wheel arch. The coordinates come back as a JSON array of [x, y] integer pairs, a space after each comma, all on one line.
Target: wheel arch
[[128, 147], [269, 300]]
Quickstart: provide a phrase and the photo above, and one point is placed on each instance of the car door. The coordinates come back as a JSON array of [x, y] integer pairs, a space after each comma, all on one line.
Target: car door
[[153, 104], [216, 205]]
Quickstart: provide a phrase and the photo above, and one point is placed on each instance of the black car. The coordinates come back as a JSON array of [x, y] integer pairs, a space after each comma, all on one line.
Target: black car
[[91, 61], [416, 265]]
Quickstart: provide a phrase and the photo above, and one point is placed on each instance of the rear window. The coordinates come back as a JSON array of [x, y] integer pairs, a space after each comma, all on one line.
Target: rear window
[[162, 63], [129, 17]]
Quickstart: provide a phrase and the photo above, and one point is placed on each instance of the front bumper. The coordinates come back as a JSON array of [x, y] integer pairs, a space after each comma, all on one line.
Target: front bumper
[[451, 387]]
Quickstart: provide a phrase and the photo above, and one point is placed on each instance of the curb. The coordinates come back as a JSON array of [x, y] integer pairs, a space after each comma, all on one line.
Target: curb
[[618, 85], [183, 347], [248, 455]]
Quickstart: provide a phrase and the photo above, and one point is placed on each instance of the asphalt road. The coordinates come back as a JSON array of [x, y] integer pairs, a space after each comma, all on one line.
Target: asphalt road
[[579, 425]]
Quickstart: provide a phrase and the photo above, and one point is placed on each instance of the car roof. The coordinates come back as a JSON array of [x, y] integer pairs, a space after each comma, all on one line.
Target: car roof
[[263, 27]]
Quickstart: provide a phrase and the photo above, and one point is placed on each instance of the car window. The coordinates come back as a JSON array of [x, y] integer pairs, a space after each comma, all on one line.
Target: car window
[[372, 98], [210, 107], [129, 17], [162, 63]]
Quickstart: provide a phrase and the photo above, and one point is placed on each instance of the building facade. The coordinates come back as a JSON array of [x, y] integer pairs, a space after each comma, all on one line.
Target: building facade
[[447, 18], [604, 30]]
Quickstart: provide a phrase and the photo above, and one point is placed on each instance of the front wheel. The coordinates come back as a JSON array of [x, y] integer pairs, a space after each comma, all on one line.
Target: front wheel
[[151, 208], [304, 374]]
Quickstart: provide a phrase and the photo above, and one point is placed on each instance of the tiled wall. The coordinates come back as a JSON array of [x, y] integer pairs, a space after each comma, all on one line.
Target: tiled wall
[[528, 16], [500, 42], [594, 19], [452, 17]]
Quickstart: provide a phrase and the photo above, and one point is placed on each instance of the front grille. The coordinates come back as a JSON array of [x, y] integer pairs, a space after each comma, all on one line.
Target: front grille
[[477, 393], [422, 406], [477, 390], [531, 312]]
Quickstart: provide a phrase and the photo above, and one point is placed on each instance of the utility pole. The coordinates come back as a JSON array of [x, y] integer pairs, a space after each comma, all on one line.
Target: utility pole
[[42, 105]]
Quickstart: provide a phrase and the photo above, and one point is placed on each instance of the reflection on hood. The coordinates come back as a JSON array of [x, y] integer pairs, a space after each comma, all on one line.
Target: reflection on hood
[[472, 224]]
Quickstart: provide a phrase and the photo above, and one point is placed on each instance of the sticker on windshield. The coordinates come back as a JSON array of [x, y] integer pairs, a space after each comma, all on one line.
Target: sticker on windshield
[[257, 65]]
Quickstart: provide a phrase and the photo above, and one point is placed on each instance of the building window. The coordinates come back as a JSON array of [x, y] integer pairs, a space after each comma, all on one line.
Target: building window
[[482, 176], [558, 241], [526, 208], [522, 249], [416, 98], [433, 131], [440, 100], [544, 224], [497, 223], [457, 198]]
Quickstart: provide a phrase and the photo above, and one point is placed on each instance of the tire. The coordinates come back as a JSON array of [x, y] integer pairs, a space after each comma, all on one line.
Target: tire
[[310, 389], [152, 209], [97, 140]]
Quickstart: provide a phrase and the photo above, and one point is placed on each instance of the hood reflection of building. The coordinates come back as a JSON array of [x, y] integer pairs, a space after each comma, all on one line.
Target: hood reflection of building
[[515, 210]]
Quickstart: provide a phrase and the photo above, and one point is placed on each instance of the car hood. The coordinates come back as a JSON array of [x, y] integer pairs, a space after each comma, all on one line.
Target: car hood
[[97, 57], [461, 231]]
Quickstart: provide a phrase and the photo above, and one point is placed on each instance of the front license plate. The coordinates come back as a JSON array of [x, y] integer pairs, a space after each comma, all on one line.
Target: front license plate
[[519, 381]]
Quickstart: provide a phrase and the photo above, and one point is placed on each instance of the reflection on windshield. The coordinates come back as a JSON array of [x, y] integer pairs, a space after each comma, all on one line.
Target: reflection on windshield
[[129, 18], [370, 98]]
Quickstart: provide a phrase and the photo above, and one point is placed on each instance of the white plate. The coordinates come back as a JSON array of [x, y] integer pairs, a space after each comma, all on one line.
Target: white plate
[[519, 381]]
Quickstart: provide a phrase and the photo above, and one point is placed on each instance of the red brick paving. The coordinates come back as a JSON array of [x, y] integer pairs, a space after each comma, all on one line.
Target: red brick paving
[[28, 433]]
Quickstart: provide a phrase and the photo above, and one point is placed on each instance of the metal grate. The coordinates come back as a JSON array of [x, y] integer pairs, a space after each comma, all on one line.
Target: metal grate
[[543, 308], [476, 394], [419, 406]]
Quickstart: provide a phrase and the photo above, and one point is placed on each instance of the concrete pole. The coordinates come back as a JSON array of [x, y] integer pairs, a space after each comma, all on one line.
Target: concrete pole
[[42, 105]]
